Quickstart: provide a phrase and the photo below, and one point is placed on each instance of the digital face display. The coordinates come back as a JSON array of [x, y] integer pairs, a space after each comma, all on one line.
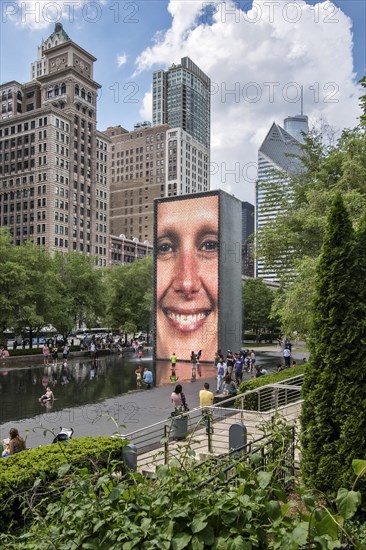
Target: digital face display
[[186, 277]]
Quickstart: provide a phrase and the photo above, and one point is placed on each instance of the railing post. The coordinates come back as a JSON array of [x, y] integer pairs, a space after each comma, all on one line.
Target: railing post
[[166, 444], [276, 398], [259, 400], [209, 431], [286, 400]]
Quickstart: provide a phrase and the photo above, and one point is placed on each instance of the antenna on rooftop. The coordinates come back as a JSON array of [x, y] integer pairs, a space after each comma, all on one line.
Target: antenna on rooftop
[[302, 100]]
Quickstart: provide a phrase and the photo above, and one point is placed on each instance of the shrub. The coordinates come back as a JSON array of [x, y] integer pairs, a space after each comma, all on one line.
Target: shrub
[[251, 400], [188, 507], [18, 473]]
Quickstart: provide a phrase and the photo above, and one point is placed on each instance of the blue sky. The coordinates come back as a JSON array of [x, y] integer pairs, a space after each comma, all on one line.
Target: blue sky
[[256, 55]]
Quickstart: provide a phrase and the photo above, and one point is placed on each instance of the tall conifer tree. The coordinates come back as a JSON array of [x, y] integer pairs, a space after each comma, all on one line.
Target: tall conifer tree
[[335, 358]]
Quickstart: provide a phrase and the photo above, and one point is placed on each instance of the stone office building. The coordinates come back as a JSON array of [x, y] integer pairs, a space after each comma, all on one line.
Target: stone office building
[[54, 180], [148, 163]]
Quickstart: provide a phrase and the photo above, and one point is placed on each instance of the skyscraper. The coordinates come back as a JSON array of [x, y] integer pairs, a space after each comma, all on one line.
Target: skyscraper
[[169, 158], [247, 244], [54, 187], [181, 98], [275, 164]]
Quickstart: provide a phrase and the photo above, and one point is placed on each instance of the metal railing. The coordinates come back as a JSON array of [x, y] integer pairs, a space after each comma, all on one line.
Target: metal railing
[[253, 408], [225, 466]]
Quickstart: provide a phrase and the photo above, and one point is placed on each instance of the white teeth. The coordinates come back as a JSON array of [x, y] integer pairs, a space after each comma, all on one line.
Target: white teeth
[[186, 320]]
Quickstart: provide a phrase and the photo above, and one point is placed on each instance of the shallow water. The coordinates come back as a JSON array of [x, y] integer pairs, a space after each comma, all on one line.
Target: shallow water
[[82, 383]]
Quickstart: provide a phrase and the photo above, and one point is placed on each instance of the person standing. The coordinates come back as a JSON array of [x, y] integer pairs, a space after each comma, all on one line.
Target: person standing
[[230, 363], [46, 353], [65, 352], [221, 367], [252, 361], [287, 357], [206, 400], [194, 364], [54, 355], [199, 353], [238, 368], [173, 360], [138, 377], [93, 351]]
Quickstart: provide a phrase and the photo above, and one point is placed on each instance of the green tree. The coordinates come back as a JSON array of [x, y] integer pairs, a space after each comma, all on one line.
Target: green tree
[[334, 412], [257, 299], [31, 299], [129, 297], [292, 304], [80, 292]]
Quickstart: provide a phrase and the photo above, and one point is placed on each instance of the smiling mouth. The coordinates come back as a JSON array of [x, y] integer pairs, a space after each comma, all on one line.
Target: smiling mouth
[[187, 322]]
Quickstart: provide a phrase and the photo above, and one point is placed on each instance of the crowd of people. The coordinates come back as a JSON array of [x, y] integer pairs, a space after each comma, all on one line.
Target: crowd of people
[[230, 370]]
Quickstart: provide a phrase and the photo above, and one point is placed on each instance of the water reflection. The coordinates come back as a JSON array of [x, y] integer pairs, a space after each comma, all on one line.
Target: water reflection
[[81, 382], [73, 384]]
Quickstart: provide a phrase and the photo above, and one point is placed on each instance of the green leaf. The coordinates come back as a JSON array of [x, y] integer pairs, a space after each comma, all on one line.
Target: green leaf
[[63, 469], [359, 466], [220, 543], [326, 525], [309, 501], [300, 534], [273, 509], [264, 479], [208, 535], [198, 525], [240, 544], [114, 494], [347, 502], [36, 483], [180, 541], [197, 544]]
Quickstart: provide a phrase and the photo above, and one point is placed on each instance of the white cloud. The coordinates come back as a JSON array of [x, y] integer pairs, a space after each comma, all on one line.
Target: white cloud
[[121, 59], [146, 109], [257, 60]]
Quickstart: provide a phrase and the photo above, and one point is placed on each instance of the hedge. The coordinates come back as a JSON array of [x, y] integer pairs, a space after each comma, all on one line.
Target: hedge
[[18, 473], [251, 400]]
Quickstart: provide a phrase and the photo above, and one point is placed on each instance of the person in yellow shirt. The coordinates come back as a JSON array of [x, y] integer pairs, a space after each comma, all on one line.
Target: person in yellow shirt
[[206, 400]]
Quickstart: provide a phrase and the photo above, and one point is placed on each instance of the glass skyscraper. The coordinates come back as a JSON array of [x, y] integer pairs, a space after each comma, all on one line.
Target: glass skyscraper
[[181, 98], [276, 162]]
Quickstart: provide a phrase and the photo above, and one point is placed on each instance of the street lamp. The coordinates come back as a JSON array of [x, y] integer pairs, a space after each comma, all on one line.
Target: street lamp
[[136, 241], [147, 244], [123, 237]]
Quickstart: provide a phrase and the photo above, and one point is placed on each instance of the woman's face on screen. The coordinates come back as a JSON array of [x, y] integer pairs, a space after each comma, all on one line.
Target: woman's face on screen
[[187, 276]]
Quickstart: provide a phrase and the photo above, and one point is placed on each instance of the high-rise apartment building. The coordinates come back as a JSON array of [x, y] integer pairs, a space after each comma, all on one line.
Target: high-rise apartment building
[[275, 164], [54, 184], [170, 157], [181, 98]]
